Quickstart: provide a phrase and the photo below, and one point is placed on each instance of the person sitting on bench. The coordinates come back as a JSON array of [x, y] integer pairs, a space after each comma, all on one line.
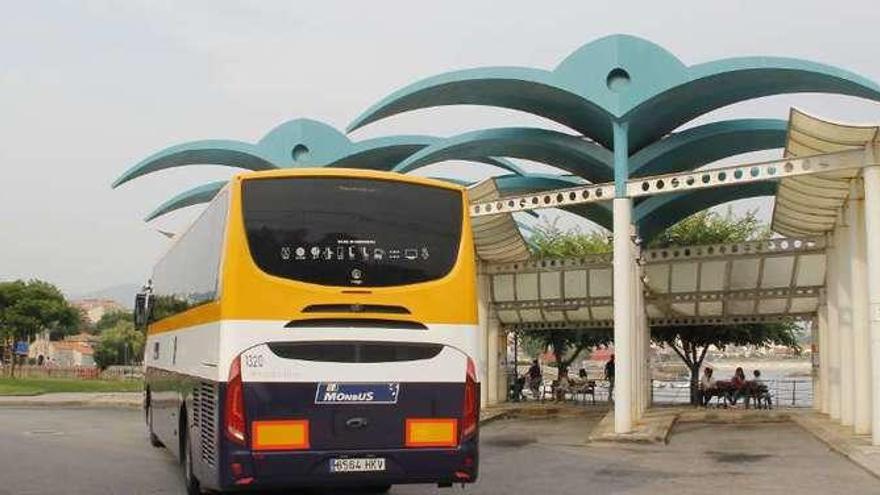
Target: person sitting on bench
[[708, 388], [563, 385]]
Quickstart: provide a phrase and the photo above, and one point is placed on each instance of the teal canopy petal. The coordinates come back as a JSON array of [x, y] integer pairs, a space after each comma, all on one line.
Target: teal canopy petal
[[657, 213], [213, 151], [697, 146], [198, 195], [623, 78], [713, 85], [570, 153], [382, 153], [529, 90], [305, 143], [386, 153]]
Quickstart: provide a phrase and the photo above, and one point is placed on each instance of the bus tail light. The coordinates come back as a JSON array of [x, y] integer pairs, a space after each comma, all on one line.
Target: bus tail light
[[471, 407], [235, 419], [431, 432]]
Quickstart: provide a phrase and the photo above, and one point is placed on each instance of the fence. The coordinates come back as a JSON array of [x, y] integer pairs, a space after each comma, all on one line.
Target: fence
[[797, 392], [75, 372]]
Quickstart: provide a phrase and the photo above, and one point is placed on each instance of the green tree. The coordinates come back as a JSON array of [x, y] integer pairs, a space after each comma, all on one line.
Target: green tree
[[120, 344], [27, 308], [551, 241], [111, 318], [708, 227], [567, 345]]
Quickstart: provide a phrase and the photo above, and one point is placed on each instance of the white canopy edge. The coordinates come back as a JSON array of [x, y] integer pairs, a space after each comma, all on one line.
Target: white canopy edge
[[497, 238], [809, 205]]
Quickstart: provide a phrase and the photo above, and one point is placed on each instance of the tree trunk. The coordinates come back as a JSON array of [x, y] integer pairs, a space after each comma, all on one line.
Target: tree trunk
[[13, 360], [559, 363], [695, 384]]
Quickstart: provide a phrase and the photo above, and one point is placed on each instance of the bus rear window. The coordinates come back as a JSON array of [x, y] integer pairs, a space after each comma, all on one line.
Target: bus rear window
[[355, 352], [351, 232]]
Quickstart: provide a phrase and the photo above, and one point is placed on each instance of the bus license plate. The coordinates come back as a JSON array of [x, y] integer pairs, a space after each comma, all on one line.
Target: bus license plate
[[357, 464]]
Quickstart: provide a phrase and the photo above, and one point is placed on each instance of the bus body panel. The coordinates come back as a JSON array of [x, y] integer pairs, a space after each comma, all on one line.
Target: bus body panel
[[188, 357]]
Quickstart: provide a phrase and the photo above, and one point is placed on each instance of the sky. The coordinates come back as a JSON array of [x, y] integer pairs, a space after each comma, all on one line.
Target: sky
[[89, 88]]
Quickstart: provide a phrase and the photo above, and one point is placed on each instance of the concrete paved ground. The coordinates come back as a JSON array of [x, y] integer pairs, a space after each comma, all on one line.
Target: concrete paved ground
[[104, 451]]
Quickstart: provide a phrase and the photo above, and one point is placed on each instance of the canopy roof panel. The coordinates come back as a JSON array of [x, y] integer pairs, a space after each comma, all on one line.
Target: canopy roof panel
[[497, 238], [723, 283], [809, 205]]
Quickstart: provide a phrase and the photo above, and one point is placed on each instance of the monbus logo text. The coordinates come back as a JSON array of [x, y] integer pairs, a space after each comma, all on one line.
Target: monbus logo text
[[357, 393]]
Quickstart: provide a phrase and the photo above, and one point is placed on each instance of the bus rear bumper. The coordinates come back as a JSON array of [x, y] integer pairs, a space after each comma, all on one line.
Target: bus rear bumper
[[272, 470]]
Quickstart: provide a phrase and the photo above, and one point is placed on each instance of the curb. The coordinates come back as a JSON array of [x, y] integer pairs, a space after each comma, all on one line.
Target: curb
[[84, 404], [88, 401], [491, 418]]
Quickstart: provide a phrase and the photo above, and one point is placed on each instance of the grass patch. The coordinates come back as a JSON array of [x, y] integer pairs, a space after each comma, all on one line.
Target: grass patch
[[37, 386]]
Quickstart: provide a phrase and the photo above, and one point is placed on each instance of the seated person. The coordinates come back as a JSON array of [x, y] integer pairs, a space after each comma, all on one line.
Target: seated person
[[563, 384], [737, 383], [760, 392], [708, 386], [516, 389]]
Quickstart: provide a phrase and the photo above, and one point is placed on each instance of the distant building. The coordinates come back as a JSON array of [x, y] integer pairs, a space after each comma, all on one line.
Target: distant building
[[94, 309], [74, 350]]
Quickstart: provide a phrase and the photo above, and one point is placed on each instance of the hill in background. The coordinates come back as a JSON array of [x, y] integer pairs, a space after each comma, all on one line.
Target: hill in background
[[122, 294]]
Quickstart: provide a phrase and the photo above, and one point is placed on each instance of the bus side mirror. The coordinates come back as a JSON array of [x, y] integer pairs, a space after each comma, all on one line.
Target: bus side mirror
[[141, 309]]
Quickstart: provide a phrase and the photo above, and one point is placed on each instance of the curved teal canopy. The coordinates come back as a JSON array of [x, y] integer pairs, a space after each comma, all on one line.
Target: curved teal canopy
[[656, 213], [698, 146], [626, 79], [198, 195], [296, 143], [570, 153]]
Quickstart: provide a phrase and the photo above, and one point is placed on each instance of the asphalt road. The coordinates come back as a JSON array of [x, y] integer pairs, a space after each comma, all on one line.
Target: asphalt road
[[81, 451]]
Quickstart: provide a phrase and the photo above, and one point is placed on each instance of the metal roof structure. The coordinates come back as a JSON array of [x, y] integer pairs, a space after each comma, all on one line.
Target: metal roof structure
[[698, 285], [497, 238], [810, 204]]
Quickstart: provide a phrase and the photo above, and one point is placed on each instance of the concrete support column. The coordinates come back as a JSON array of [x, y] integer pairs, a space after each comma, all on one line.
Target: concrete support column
[[504, 365], [859, 295], [636, 341], [642, 390], [844, 308], [871, 177], [484, 308], [833, 319], [493, 363], [824, 399], [623, 321], [817, 383]]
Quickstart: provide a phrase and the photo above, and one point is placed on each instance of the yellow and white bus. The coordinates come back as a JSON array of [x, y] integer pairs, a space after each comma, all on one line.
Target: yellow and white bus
[[317, 327]]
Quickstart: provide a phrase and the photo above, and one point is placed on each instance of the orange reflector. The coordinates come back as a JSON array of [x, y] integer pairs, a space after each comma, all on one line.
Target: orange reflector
[[432, 432], [280, 435]]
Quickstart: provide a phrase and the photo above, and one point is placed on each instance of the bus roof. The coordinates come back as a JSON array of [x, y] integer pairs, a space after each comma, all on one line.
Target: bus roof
[[347, 172]]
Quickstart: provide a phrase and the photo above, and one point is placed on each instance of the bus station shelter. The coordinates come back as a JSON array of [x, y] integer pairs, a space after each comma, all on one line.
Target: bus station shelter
[[633, 163]]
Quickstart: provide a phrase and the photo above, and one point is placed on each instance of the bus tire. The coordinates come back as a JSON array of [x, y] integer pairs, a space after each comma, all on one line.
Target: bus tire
[[191, 483], [154, 440]]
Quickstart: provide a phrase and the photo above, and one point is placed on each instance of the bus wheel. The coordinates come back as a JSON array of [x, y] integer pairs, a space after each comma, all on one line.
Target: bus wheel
[[154, 440], [189, 478]]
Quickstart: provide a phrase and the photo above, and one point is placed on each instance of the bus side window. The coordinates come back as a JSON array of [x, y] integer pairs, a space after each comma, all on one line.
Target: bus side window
[[155, 351]]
